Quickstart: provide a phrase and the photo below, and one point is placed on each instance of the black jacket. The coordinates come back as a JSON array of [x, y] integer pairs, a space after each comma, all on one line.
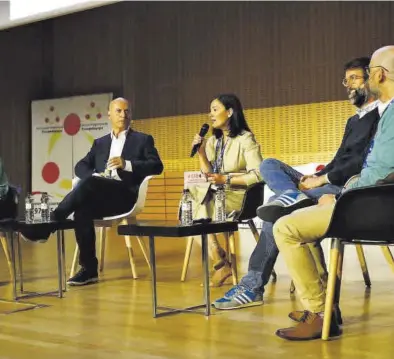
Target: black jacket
[[139, 149], [350, 156]]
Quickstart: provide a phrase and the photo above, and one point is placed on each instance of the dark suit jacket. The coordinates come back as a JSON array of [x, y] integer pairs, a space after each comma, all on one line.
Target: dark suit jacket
[[139, 149], [356, 141]]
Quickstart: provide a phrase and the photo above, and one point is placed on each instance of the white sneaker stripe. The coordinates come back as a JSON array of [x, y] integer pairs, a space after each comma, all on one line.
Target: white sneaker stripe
[[284, 201], [291, 199], [248, 300], [240, 300]]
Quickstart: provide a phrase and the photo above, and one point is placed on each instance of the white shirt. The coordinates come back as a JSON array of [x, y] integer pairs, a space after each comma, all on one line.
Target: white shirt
[[383, 105], [117, 145]]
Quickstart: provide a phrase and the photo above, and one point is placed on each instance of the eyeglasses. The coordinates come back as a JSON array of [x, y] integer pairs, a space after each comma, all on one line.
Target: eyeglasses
[[351, 79], [368, 69]]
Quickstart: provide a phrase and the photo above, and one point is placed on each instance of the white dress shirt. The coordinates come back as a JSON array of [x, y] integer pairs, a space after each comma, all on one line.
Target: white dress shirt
[[117, 144], [383, 105]]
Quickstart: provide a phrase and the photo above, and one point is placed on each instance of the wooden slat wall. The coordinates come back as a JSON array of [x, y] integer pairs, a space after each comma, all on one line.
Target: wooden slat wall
[[164, 193]]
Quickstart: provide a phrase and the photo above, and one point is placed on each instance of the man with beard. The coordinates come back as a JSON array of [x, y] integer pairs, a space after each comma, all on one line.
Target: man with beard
[[293, 190], [308, 226]]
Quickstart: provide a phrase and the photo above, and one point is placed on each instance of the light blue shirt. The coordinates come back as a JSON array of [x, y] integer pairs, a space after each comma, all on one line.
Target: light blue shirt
[[380, 161]]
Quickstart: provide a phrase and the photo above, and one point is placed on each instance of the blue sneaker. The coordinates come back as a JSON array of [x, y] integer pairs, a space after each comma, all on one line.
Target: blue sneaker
[[238, 297], [283, 205]]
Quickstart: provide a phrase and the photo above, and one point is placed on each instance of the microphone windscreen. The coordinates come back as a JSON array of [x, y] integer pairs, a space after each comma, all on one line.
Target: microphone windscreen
[[204, 129]]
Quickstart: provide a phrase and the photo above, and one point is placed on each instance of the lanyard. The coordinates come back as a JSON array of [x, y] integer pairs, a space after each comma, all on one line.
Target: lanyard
[[217, 165]]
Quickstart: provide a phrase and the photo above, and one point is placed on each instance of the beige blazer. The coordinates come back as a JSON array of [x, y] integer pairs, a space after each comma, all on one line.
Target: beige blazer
[[242, 156]]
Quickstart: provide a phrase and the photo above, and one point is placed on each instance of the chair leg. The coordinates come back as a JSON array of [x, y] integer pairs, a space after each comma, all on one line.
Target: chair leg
[[144, 250], [186, 260], [74, 264], [388, 255], [363, 264], [131, 256], [233, 261], [253, 228], [292, 287], [7, 256], [337, 312], [336, 249], [102, 238]]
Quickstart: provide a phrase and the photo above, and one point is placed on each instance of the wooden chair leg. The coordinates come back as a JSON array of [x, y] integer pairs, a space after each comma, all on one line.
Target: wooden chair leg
[[131, 256], [233, 261], [363, 264], [336, 249], [102, 238], [74, 264], [388, 255], [186, 260], [4, 243], [144, 250], [292, 287]]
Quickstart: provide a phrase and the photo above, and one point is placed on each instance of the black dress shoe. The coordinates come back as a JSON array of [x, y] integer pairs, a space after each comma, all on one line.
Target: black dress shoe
[[83, 277]]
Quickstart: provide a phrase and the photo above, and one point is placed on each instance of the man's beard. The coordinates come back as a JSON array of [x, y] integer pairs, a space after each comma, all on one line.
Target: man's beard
[[359, 97]]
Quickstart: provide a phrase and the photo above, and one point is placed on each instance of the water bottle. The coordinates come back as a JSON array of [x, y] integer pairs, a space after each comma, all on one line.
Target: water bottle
[[220, 205], [186, 209], [29, 208], [45, 207]]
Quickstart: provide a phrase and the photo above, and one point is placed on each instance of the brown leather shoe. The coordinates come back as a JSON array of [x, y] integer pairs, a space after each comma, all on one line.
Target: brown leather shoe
[[310, 327], [296, 315]]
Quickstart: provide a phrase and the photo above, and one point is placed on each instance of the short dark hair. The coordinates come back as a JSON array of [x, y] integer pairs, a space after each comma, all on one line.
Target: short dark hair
[[237, 123], [358, 63]]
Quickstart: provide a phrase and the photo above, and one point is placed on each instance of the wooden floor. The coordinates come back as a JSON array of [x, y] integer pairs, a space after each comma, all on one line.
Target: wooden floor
[[114, 318]]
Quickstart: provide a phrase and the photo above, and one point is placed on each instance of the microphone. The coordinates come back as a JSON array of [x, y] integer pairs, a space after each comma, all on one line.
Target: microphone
[[203, 131]]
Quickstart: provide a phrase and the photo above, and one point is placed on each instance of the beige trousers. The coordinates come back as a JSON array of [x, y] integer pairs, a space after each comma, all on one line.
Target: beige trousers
[[292, 234]]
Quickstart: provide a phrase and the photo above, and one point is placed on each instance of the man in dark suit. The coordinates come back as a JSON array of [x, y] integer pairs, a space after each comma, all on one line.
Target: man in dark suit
[[110, 175]]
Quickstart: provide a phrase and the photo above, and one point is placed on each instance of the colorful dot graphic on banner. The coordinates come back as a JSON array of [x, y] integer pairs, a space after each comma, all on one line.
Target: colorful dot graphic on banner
[[72, 124], [50, 172]]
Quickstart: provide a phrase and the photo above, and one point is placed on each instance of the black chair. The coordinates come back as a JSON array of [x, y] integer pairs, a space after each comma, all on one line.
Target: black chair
[[13, 213], [366, 214], [254, 197]]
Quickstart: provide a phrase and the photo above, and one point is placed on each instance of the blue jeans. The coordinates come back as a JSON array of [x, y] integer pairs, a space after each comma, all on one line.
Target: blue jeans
[[279, 177]]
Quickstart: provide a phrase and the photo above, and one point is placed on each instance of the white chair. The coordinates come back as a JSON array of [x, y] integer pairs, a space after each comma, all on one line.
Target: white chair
[[125, 218]]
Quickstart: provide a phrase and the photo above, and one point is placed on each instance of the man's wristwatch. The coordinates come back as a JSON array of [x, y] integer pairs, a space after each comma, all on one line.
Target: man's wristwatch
[[228, 179]]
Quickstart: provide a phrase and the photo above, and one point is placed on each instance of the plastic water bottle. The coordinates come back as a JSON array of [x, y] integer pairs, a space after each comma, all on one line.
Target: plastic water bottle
[[220, 205], [186, 209], [45, 207], [29, 208]]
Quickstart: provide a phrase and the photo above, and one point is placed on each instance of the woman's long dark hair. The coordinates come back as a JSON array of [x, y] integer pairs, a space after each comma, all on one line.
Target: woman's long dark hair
[[237, 123]]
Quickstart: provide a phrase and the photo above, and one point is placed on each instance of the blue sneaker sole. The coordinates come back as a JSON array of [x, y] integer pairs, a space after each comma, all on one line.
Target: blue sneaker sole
[[247, 305]]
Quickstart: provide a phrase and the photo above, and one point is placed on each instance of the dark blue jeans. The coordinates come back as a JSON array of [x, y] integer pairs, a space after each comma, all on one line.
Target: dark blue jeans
[[279, 177]]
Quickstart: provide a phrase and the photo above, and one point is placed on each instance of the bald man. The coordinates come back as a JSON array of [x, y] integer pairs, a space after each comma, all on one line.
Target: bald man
[[110, 175], [309, 225]]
